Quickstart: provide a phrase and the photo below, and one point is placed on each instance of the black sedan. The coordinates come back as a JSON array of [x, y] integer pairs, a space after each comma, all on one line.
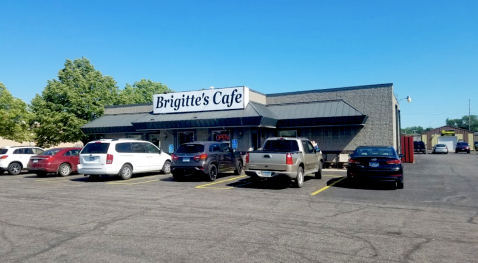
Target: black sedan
[[378, 163], [462, 147]]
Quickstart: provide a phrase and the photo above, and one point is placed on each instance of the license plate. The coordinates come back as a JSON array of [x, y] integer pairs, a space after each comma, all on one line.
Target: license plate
[[185, 159], [373, 164], [266, 174], [35, 161]]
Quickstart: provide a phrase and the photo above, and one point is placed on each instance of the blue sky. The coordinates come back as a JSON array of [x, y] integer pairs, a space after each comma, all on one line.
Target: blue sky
[[428, 49]]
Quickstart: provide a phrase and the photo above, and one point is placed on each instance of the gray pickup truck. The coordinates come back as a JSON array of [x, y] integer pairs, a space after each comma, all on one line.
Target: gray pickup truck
[[291, 157]]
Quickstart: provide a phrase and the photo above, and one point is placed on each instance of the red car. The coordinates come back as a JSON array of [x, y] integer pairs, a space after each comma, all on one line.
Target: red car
[[62, 161]]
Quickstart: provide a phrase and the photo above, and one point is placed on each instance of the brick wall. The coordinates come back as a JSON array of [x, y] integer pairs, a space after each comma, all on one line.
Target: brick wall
[[374, 101]]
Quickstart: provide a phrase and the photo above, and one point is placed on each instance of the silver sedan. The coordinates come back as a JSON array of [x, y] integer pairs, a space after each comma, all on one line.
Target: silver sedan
[[440, 148]]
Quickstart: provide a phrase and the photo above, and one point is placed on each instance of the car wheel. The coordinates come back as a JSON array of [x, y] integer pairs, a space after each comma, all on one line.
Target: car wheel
[[212, 172], [126, 172], [2, 172], [64, 170], [299, 179], [166, 167], [41, 174], [399, 185], [178, 176], [238, 169], [14, 168], [318, 174]]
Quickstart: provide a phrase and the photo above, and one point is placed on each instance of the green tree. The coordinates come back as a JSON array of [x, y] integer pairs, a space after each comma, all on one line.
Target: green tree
[[463, 122], [141, 92], [415, 130], [15, 119], [76, 98]]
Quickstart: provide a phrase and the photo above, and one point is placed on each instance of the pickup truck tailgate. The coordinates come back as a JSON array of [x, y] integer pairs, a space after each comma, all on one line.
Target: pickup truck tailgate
[[269, 161]]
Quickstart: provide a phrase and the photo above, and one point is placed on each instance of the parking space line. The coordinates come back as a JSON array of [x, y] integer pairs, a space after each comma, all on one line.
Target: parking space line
[[218, 182], [127, 183], [326, 187]]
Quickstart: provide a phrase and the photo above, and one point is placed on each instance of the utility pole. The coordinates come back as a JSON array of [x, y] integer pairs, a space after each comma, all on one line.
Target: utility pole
[[469, 124]]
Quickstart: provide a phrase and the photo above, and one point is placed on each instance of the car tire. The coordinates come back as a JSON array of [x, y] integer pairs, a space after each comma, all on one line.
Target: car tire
[[299, 179], [212, 175], [64, 169], [399, 185], [318, 174], [126, 172], [14, 168], [166, 167], [239, 168], [2, 172], [41, 174]]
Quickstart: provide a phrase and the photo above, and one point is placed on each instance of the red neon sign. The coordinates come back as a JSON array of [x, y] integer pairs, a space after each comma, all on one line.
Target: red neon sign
[[222, 137]]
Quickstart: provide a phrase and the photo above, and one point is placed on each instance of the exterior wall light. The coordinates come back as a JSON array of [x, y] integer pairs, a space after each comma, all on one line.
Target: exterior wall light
[[408, 98]]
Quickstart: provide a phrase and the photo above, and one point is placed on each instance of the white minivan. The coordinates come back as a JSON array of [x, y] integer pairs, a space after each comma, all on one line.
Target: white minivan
[[122, 157]]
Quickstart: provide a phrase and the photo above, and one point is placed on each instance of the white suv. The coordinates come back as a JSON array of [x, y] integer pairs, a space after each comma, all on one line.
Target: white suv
[[122, 157], [15, 158]]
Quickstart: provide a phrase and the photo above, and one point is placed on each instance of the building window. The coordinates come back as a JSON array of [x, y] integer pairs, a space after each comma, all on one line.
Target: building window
[[155, 139], [134, 136], [287, 133], [185, 137]]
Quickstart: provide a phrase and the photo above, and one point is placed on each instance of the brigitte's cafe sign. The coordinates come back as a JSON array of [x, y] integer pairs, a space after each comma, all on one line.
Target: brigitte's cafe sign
[[201, 100]]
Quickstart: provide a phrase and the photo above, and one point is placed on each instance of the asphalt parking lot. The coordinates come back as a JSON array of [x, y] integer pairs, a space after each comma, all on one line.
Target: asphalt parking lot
[[152, 218]]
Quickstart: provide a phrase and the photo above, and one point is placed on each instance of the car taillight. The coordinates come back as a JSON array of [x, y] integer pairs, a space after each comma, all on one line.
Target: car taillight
[[354, 161], [247, 157], [394, 162], [288, 158], [175, 157], [109, 159], [3, 157], [201, 156]]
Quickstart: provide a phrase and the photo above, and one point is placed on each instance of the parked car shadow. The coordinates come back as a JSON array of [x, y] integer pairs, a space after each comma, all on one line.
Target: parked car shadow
[[364, 185], [110, 178], [274, 183], [197, 177]]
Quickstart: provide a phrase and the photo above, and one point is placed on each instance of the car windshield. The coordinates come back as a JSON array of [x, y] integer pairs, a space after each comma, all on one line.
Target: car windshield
[[441, 145], [281, 145], [190, 148], [3, 151], [50, 152], [375, 151], [95, 147], [463, 144]]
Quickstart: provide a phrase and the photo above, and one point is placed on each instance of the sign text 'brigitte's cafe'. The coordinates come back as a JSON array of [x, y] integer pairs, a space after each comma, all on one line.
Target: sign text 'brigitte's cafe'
[[201, 100]]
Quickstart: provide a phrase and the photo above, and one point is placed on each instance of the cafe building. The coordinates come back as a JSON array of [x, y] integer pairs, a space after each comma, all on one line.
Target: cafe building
[[337, 119]]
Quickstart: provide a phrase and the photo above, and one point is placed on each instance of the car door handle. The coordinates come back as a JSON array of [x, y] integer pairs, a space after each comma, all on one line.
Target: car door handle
[[267, 156]]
